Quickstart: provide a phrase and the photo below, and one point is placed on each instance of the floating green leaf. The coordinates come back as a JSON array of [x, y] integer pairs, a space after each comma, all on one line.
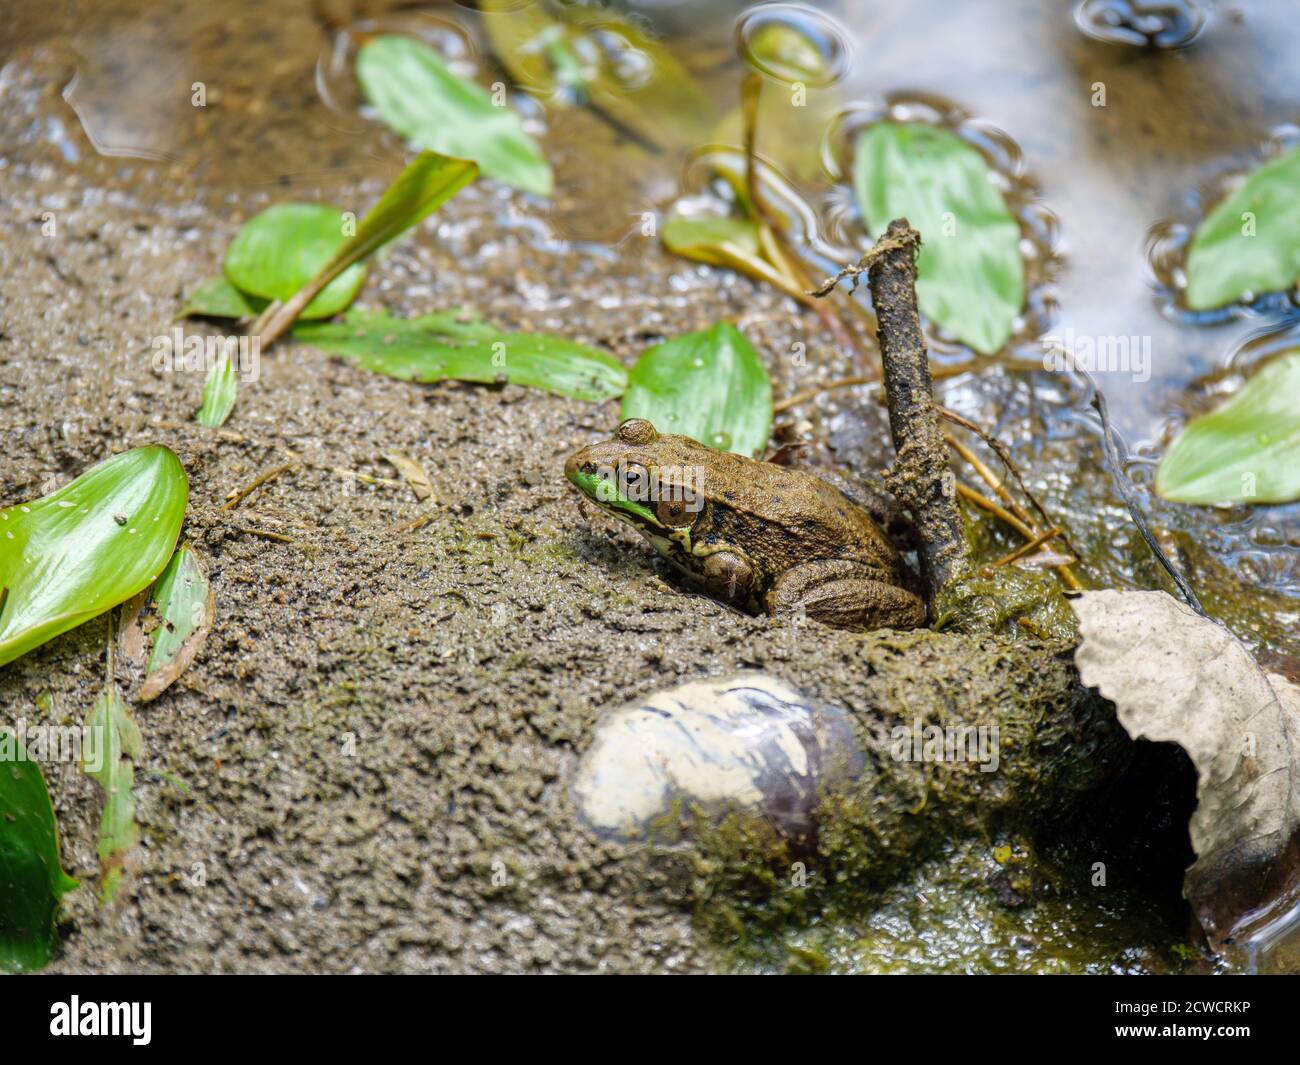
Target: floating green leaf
[[117, 746], [69, 556], [282, 249], [32, 879], [971, 280], [1246, 451], [602, 60], [218, 298], [1250, 241], [709, 385], [456, 346], [185, 604], [219, 391], [416, 94]]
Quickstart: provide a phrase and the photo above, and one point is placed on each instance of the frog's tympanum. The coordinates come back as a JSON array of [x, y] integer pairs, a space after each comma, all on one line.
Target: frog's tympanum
[[754, 534]]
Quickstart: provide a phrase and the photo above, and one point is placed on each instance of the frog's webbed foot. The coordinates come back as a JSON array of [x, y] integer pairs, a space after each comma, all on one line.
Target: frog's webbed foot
[[845, 595]]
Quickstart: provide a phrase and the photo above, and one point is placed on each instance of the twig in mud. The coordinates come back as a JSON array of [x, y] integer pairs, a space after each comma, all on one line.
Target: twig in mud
[[364, 478], [1111, 452], [1005, 457], [266, 534], [921, 477], [993, 481], [418, 523], [996, 484], [890, 266], [1030, 545], [937, 373], [811, 393], [996, 509], [239, 495]]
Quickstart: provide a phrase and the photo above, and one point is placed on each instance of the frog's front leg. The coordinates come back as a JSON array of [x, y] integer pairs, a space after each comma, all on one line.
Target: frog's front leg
[[844, 594], [728, 576]]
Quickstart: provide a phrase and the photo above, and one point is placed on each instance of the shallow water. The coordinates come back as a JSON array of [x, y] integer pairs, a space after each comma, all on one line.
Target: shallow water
[[1100, 191]]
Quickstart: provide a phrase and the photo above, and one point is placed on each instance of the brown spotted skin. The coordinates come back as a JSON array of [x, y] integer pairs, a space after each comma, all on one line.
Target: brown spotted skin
[[766, 522]]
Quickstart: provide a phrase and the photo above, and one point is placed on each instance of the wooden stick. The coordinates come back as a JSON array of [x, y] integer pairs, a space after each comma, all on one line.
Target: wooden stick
[[921, 477]]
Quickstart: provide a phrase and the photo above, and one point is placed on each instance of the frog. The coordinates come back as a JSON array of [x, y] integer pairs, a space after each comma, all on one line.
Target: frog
[[761, 537]]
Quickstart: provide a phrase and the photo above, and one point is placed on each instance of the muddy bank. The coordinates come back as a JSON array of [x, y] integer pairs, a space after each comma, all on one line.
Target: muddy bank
[[366, 767]]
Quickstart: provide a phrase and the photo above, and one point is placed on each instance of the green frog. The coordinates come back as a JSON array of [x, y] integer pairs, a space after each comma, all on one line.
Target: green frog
[[754, 534]]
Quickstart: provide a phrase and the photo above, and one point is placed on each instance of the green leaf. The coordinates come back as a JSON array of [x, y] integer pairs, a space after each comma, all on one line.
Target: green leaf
[[428, 181], [1246, 451], [282, 249], [185, 604], [1224, 263], [971, 279], [416, 94], [118, 745], [218, 298], [446, 346], [604, 61], [69, 556], [32, 879], [709, 385], [219, 391]]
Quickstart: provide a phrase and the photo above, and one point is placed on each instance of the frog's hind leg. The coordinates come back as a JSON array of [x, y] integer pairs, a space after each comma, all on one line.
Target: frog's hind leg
[[846, 595]]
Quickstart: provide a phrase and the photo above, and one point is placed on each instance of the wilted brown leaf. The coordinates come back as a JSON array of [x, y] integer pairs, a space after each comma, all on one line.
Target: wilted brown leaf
[[1177, 677]]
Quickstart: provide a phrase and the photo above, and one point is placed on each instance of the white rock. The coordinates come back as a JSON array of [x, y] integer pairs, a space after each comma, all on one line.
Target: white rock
[[746, 742]]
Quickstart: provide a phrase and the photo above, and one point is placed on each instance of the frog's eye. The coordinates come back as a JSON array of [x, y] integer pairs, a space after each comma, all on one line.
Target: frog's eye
[[637, 431], [673, 513], [634, 481]]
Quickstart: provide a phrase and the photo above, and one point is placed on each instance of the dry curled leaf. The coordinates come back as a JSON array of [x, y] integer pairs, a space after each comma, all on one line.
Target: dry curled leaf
[[1180, 678], [412, 473]]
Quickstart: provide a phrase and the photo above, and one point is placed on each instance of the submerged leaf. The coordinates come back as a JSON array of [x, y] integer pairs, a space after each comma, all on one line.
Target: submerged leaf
[[970, 277], [1250, 241], [416, 94], [69, 556], [602, 60], [719, 241], [709, 385], [216, 297], [1179, 678], [32, 879], [1246, 451], [185, 604], [282, 249], [117, 746], [439, 347], [219, 391]]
